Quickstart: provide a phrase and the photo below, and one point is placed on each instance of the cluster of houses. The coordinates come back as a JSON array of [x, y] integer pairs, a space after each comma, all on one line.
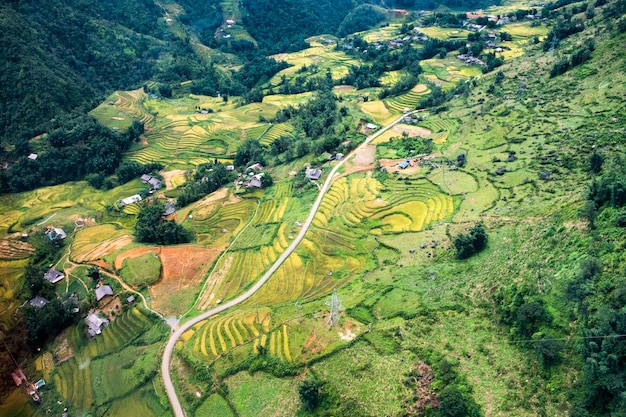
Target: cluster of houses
[[221, 31], [415, 36], [468, 59], [154, 184], [19, 378], [251, 178]]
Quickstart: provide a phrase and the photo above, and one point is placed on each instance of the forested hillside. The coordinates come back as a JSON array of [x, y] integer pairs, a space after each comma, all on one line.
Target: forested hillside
[[63, 56]]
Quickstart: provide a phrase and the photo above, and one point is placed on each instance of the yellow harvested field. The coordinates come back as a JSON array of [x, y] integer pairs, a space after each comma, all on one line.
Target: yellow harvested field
[[95, 242], [286, 344], [377, 111]]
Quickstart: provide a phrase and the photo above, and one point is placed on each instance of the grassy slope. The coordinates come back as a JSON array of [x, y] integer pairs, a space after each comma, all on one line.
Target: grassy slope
[[536, 240]]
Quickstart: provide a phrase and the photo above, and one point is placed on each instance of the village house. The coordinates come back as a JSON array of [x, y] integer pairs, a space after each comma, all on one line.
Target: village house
[[18, 377], [54, 276], [154, 182], [32, 156], [255, 181], [103, 291], [55, 233], [95, 324], [313, 173], [168, 208], [38, 302], [130, 200], [255, 167]]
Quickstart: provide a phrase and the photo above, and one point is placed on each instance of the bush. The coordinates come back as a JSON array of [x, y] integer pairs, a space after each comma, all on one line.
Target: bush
[[309, 391], [468, 244]]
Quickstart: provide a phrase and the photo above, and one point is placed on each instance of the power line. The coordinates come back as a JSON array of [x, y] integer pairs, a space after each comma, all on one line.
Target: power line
[[609, 336]]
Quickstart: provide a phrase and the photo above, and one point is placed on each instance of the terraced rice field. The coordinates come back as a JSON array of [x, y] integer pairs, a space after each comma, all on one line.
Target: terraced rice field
[[274, 132], [242, 331], [73, 379], [442, 128], [121, 108], [95, 242], [215, 224], [329, 254], [324, 56], [213, 338], [408, 100], [11, 248]]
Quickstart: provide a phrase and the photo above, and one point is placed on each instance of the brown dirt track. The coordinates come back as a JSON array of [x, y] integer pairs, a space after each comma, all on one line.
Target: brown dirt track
[[182, 270]]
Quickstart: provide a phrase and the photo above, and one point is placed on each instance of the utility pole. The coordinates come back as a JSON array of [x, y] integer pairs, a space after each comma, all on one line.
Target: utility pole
[[335, 308], [555, 40]]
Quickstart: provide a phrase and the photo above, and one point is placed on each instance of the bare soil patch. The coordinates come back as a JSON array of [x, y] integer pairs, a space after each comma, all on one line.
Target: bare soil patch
[[167, 176], [363, 161], [344, 89], [412, 131], [182, 267], [422, 376]]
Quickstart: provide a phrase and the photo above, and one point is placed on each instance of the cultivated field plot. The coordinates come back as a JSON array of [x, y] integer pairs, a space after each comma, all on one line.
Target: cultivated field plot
[[386, 33], [10, 272], [441, 127], [322, 54], [444, 33], [141, 270], [121, 108], [96, 242], [189, 131], [523, 33], [335, 249], [407, 101], [111, 366], [448, 71], [182, 268], [215, 224], [378, 112]]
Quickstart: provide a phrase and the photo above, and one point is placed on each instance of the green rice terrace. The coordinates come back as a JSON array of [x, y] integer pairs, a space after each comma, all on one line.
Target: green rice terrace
[[456, 264]]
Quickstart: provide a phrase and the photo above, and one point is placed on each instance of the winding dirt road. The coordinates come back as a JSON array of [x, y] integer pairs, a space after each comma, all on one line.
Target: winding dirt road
[[169, 348]]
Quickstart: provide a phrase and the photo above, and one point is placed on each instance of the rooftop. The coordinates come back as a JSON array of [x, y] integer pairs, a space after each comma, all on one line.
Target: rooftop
[[38, 302], [54, 276], [102, 291]]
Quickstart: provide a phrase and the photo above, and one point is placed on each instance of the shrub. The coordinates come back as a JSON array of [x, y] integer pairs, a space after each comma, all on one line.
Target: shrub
[[468, 244]]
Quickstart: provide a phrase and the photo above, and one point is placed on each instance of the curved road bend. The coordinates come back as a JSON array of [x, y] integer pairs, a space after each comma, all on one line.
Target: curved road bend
[[169, 348]]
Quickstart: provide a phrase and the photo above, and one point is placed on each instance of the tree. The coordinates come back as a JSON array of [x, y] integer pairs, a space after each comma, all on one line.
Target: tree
[[548, 350], [267, 180], [452, 402], [94, 273], [151, 228], [595, 162], [165, 90], [309, 391], [468, 244], [250, 151]]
